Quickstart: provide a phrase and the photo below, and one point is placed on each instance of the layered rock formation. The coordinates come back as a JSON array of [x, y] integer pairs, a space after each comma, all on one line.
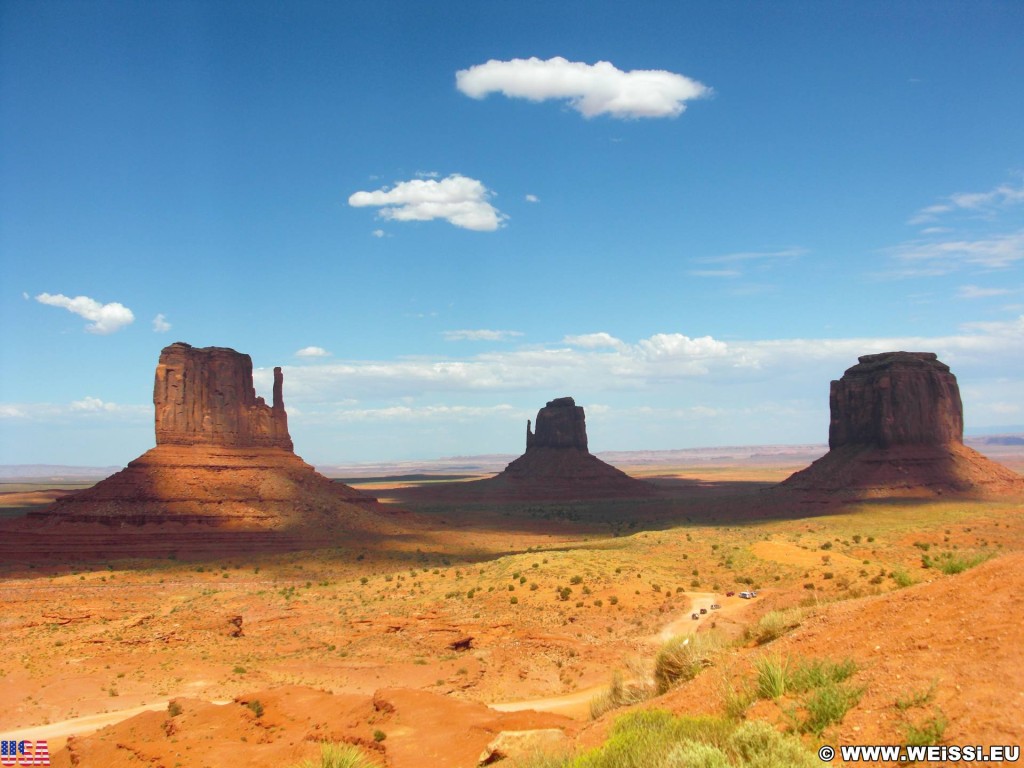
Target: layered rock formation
[[557, 463], [897, 429], [223, 458]]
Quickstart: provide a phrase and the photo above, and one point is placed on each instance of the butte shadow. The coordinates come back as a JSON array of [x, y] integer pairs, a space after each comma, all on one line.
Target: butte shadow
[[223, 477], [896, 430]]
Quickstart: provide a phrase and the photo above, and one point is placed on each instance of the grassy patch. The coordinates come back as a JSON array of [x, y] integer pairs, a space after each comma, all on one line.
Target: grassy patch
[[619, 694], [775, 624], [683, 658], [657, 738], [926, 733], [339, 756], [772, 673]]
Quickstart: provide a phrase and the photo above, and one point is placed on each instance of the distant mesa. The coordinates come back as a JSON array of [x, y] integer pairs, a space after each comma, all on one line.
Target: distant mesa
[[223, 458], [558, 464], [897, 430]]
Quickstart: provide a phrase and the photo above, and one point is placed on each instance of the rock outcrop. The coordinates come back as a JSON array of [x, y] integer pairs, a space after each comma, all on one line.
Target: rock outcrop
[[223, 458], [896, 398], [896, 429], [560, 424], [557, 463], [205, 396]]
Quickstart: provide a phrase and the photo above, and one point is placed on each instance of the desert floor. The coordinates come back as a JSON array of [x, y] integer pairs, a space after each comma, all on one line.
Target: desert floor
[[398, 642]]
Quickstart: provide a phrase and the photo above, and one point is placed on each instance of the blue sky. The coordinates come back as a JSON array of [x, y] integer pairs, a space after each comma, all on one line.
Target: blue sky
[[691, 238]]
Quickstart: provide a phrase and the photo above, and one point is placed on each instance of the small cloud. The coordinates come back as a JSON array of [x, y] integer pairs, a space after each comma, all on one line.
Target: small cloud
[[312, 352], [594, 341], [976, 292], [590, 89], [92, 405], [25, 296], [104, 318], [378, 233], [428, 175], [532, 199], [160, 324], [480, 335], [457, 199], [985, 204]]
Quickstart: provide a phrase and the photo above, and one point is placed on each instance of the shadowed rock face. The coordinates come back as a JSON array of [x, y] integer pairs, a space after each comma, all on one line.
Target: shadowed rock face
[[896, 398], [205, 396], [560, 424]]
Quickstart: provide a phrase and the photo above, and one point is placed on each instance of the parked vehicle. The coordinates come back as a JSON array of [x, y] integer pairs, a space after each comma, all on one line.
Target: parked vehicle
[[715, 607], [694, 616], [703, 610], [746, 595], [729, 594]]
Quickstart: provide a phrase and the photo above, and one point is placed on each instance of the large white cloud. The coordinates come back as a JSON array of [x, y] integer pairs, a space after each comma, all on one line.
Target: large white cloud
[[105, 318], [591, 89], [458, 199], [600, 362]]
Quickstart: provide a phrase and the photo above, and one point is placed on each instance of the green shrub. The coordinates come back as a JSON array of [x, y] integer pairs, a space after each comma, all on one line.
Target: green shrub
[[826, 706], [775, 624], [256, 707], [683, 658], [927, 733], [339, 756], [758, 745], [771, 677]]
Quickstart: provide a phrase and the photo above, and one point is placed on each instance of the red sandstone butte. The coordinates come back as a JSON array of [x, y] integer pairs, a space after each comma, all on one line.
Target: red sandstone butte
[[557, 463], [223, 459], [896, 429]]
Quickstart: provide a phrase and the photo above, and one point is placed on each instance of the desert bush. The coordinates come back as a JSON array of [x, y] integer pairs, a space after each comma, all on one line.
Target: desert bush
[[758, 745], [927, 733], [682, 659], [826, 706], [339, 756], [775, 624], [816, 673], [619, 694], [772, 673]]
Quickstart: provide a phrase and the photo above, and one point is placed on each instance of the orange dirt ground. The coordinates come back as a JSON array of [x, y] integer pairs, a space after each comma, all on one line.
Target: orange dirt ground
[[411, 634]]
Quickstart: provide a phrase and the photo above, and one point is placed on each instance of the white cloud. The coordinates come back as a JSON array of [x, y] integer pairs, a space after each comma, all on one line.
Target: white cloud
[[532, 199], [985, 204], [591, 89], [599, 362], [92, 405], [105, 318], [160, 324], [458, 199], [479, 335], [944, 257], [594, 341], [977, 292], [312, 352], [378, 233]]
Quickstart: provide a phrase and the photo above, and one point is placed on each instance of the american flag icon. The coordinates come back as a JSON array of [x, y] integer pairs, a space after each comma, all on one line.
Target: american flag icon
[[24, 753]]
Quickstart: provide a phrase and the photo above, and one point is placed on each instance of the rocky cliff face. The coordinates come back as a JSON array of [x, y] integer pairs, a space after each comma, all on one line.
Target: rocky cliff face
[[205, 396], [896, 398], [560, 424]]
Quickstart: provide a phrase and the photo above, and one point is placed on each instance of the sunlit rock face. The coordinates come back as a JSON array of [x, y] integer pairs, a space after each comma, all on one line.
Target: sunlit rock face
[[205, 396], [223, 457], [560, 424]]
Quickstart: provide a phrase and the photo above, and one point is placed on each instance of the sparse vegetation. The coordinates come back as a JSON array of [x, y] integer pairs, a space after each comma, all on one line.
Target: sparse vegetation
[[683, 658], [339, 756]]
